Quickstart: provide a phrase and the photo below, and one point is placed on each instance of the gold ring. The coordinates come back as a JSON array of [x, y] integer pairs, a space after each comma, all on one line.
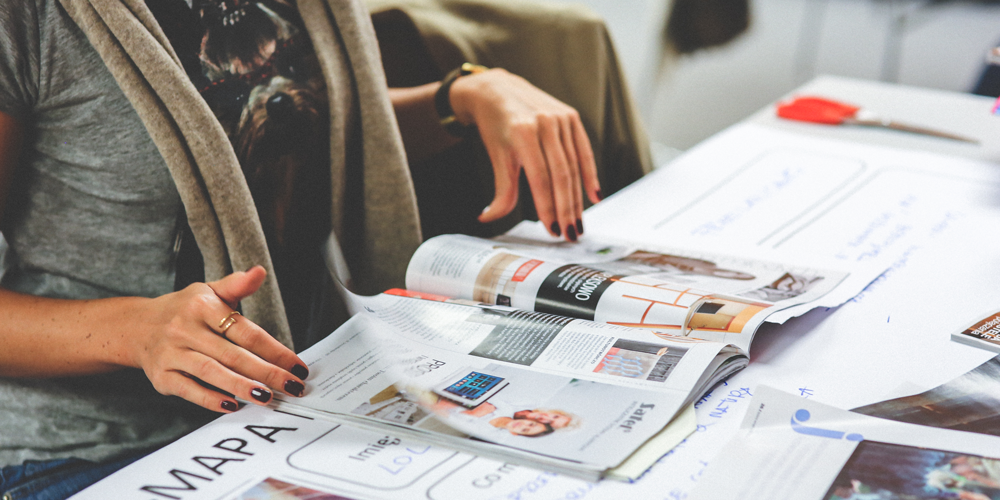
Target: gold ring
[[227, 322]]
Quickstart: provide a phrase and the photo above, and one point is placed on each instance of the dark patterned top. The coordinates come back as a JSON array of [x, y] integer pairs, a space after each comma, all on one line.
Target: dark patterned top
[[254, 64]]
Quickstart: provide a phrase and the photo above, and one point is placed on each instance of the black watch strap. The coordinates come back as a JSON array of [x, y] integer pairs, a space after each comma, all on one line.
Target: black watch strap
[[442, 101]]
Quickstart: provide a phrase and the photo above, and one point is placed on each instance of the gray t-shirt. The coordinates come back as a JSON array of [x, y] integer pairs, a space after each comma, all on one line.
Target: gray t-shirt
[[92, 213]]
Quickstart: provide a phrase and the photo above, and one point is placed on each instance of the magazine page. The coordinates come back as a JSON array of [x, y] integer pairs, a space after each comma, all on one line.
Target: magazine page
[[525, 381], [770, 265], [968, 403], [793, 448], [712, 297], [558, 345]]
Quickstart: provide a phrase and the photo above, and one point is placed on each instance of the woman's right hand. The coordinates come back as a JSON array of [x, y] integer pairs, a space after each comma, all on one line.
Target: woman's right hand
[[181, 346], [525, 128]]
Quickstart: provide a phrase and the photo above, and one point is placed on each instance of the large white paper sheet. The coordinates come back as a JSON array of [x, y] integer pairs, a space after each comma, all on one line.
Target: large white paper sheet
[[934, 219]]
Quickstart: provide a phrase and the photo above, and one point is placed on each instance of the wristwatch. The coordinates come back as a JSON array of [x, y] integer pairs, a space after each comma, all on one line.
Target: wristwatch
[[442, 101]]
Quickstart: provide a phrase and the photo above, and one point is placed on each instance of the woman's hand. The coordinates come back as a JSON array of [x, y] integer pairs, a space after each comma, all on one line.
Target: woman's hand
[[175, 338], [185, 339], [523, 127]]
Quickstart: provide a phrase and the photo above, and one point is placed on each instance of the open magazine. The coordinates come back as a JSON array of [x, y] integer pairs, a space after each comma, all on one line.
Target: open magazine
[[585, 369]]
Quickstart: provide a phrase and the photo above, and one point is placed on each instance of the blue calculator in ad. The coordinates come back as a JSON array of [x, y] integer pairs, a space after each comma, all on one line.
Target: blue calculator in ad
[[471, 388]]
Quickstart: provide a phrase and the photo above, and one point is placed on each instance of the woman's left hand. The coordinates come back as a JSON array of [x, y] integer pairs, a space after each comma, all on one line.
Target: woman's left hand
[[524, 127]]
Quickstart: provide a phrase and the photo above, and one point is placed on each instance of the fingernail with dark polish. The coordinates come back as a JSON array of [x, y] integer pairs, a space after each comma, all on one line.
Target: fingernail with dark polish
[[571, 233], [261, 395], [579, 226], [600, 195], [229, 406], [294, 388], [555, 228], [300, 371]]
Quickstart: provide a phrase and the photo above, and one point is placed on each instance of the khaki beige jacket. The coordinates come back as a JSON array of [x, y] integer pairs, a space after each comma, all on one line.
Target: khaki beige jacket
[[382, 216]]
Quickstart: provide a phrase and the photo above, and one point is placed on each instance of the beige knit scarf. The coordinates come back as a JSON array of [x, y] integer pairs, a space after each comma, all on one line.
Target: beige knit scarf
[[374, 211]]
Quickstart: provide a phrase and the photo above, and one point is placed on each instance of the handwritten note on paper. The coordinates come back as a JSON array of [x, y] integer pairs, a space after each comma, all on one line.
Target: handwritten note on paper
[[761, 197], [387, 461], [886, 213], [755, 187]]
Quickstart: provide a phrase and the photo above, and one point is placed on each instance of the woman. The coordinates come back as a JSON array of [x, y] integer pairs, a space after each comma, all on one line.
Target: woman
[[124, 129]]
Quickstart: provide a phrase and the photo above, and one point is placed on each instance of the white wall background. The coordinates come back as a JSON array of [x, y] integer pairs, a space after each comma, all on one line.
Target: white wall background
[[914, 42]]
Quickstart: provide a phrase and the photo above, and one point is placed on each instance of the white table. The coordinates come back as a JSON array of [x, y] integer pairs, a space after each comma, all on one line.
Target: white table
[[894, 340]]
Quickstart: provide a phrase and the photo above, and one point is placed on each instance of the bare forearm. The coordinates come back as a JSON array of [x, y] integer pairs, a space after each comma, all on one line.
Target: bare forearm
[[177, 339], [44, 337], [423, 135], [522, 129]]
